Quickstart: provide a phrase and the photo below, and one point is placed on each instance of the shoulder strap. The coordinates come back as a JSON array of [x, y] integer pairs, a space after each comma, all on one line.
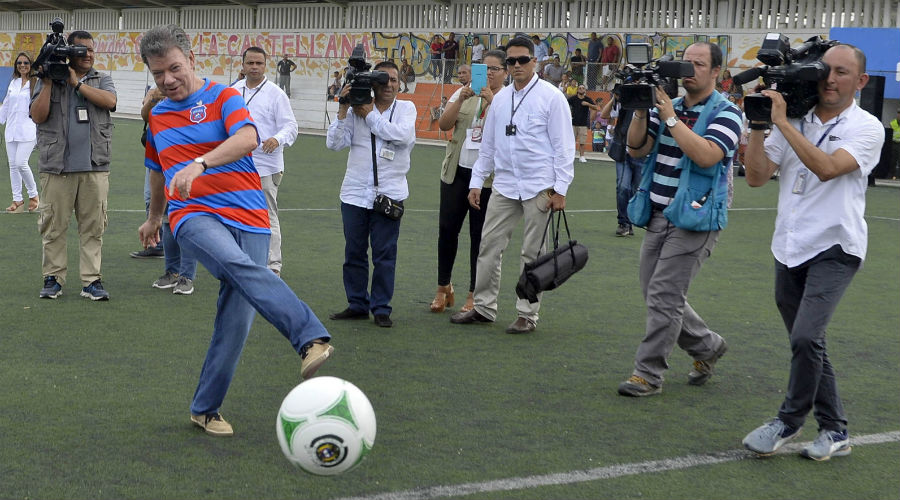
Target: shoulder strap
[[374, 163]]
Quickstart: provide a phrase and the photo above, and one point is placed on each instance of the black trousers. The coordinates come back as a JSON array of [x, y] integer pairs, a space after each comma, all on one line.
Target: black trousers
[[454, 207], [807, 296]]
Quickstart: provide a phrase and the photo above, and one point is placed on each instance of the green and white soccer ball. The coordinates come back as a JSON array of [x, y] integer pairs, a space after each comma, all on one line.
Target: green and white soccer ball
[[325, 426]]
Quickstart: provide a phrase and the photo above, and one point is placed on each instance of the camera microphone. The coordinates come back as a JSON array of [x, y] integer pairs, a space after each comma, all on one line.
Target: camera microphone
[[749, 75]]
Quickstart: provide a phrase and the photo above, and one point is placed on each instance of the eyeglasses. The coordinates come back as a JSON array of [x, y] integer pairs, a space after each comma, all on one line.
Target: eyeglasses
[[522, 60], [23, 63], [495, 69]]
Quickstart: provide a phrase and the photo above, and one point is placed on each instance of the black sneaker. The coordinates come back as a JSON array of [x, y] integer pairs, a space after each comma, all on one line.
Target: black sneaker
[[622, 230], [149, 253], [349, 314], [52, 289], [95, 291]]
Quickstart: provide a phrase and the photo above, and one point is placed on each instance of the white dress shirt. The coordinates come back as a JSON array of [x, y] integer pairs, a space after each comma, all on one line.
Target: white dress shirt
[[271, 110], [827, 213], [396, 134], [14, 112], [540, 155]]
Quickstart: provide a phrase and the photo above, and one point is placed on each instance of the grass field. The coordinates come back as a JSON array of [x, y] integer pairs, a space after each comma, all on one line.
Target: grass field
[[94, 396]]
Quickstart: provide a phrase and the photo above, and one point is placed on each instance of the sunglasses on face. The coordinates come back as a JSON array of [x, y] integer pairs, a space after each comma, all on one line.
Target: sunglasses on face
[[23, 63], [522, 60]]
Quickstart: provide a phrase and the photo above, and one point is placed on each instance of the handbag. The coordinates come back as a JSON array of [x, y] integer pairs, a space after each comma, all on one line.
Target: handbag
[[392, 209], [550, 270]]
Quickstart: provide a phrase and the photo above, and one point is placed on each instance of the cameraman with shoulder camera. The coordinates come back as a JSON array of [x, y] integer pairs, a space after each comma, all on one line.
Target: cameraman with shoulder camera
[[381, 131], [74, 129], [671, 254], [820, 238]]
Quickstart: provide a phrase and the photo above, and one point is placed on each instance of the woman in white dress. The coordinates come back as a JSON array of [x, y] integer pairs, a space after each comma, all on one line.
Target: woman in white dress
[[21, 134]]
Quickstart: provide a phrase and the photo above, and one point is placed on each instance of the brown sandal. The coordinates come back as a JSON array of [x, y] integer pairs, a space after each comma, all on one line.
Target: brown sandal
[[33, 204], [470, 303], [443, 298], [16, 207]]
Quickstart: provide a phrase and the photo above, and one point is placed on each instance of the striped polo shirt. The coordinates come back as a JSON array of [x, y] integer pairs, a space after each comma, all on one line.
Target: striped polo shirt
[[180, 131], [724, 130]]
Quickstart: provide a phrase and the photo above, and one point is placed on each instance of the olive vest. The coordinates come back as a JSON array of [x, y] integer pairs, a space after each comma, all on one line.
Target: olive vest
[[53, 133], [464, 119]]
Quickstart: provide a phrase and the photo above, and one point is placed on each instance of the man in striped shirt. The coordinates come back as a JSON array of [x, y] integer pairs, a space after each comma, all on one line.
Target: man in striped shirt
[[198, 151], [671, 256]]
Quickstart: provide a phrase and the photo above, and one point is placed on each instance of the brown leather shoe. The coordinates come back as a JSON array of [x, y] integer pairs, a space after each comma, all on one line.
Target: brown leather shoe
[[521, 325], [465, 318]]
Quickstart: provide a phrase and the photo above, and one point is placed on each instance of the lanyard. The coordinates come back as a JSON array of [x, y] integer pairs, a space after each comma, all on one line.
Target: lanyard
[[824, 135], [244, 92], [512, 100]]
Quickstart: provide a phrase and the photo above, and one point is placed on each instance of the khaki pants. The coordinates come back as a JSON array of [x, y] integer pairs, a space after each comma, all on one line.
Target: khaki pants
[[270, 185], [85, 193], [502, 216], [670, 258]]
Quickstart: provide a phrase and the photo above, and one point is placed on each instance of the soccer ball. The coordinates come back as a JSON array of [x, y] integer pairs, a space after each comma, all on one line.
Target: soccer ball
[[325, 426]]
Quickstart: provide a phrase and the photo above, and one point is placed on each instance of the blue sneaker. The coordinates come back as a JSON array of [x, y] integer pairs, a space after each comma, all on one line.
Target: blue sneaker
[[828, 444], [95, 291], [767, 438], [52, 289]]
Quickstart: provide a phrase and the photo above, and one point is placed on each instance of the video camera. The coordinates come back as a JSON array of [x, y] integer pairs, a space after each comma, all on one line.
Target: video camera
[[641, 76], [51, 61], [795, 72], [361, 79]]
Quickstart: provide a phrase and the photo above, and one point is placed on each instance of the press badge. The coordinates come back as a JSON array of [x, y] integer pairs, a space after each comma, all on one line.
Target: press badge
[[475, 133], [81, 114], [387, 154], [511, 129], [800, 182]]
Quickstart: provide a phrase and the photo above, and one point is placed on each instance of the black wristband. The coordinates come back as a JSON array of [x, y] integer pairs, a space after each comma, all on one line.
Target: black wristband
[[759, 126], [78, 86]]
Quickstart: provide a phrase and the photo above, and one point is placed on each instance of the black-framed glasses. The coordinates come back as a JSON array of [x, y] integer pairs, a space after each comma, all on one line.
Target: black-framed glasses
[[495, 69], [522, 60]]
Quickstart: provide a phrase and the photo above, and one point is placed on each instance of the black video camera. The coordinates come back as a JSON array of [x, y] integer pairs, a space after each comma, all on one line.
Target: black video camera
[[51, 61], [796, 74], [361, 79], [641, 76]]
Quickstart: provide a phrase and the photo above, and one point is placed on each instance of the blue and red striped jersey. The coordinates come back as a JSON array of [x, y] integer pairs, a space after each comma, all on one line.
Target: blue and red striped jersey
[[181, 131]]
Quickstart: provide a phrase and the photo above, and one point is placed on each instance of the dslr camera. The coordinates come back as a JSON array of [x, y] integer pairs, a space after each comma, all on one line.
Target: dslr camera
[[52, 62], [641, 76], [794, 72], [361, 79]]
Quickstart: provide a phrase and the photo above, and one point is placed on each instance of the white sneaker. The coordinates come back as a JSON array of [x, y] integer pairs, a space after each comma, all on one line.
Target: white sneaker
[[582, 159]]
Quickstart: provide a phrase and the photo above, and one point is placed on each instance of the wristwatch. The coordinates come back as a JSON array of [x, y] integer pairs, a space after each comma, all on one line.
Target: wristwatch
[[671, 121], [202, 162]]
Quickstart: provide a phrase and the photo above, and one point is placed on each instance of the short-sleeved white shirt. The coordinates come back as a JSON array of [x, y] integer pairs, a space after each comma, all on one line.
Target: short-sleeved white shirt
[[831, 212]]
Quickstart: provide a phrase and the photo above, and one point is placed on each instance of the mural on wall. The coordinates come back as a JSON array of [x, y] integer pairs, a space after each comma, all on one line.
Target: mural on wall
[[319, 54]]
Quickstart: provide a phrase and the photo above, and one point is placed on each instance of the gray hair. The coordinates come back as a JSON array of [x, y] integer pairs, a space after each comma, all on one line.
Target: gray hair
[[158, 41]]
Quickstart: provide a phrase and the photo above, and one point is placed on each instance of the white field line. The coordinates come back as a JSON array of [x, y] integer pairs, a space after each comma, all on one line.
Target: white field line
[[584, 211], [609, 472]]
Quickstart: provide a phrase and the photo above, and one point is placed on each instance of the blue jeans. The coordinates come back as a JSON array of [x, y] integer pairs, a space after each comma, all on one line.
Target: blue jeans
[[628, 177], [363, 226], [238, 260], [177, 262]]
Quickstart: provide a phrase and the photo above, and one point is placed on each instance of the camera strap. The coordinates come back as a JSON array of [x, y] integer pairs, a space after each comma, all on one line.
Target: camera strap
[[374, 154]]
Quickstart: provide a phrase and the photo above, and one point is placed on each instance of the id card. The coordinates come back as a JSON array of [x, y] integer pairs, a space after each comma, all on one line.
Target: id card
[[473, 138], [800, 182], [510, 129], [81, 114], [387, 154]]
